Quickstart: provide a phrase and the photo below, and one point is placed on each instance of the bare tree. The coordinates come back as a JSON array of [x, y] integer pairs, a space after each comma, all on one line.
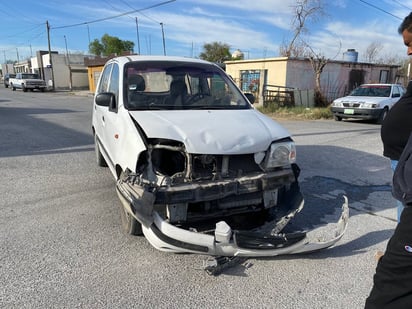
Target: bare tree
[[318, 62], [298, 49], [304, 12], [372, 52]]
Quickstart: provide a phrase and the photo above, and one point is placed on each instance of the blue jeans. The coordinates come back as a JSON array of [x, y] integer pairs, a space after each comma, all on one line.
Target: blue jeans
[[398, 203]]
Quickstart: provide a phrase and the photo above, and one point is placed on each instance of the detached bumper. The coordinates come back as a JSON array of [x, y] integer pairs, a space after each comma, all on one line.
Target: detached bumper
[[266, 240], [166, 237]]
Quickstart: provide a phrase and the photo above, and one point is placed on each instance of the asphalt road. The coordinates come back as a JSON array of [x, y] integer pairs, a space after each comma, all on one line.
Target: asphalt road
[[61, 245]]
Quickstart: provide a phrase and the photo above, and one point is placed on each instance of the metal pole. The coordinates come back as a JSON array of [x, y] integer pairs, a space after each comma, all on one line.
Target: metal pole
[[68, 65], [50, 56], [88, 33], [5, 61], [163, 36], [138, 39]]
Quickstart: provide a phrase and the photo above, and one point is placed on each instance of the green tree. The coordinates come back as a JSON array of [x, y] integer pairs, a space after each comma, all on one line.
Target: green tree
[[215, 52], [110, 45]]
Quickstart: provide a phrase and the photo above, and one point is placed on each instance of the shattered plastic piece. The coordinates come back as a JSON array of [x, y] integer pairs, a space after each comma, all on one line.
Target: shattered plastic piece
[[216, 265]]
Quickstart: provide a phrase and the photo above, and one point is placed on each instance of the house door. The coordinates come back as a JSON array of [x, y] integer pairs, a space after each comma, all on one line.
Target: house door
[[356, 78]]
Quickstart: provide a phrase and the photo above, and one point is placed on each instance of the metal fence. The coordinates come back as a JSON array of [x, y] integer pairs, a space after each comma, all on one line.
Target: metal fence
[[288, 97]]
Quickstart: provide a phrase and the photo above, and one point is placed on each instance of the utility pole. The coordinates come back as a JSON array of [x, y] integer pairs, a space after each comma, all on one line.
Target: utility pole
[[163, 36], [50, 56], [138, 39], [5, 62], [68, 66], [88, 33]]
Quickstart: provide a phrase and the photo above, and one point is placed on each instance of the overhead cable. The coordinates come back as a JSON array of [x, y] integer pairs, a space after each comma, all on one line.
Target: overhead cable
[[112, 17]]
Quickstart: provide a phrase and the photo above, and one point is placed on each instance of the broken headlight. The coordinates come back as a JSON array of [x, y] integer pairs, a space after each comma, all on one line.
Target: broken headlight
[[280, 154]]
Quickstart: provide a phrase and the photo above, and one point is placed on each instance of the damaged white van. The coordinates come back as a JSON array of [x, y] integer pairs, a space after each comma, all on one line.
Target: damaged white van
[[198, 168]]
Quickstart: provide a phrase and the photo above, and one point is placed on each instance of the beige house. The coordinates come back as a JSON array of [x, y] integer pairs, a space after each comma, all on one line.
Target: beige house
[[296, 75]]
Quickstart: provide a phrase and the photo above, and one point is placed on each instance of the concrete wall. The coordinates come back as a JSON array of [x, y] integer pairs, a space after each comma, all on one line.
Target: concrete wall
[[68, 72]]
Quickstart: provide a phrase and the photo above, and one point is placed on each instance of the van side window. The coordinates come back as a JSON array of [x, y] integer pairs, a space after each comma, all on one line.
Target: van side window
[[114, 81], [104, 81]]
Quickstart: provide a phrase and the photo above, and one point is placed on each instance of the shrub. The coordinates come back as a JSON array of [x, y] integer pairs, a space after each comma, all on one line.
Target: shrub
[[299, 112]]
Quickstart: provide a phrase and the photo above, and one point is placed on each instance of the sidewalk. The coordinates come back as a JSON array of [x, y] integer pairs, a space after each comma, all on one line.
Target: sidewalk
[[84, 93]]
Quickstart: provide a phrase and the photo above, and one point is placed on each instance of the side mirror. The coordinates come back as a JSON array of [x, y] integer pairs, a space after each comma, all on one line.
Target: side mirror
[[106, 99], [250, 97]]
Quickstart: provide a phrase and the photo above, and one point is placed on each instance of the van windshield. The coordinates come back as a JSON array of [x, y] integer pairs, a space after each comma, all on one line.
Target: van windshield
[[179, 86]]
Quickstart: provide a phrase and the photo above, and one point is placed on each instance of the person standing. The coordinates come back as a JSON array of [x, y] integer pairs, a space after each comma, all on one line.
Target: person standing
[[395, 131], [392, 282], [397, 125]]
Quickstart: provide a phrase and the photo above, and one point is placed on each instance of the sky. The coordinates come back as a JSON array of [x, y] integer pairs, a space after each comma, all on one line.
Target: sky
[[182, 27]]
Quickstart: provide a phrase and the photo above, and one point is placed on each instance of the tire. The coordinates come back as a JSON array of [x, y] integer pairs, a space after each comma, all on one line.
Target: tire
[[23, 88], [7, 86], [12, 87], [337, 118], [129, 224], [99, 157], [382, 116]]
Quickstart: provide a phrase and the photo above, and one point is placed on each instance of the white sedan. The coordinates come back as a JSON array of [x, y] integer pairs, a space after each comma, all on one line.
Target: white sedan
[[368, 101]]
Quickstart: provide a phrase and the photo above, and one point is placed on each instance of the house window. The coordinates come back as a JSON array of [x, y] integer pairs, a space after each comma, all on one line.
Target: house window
[[250, 81], [383, 78]]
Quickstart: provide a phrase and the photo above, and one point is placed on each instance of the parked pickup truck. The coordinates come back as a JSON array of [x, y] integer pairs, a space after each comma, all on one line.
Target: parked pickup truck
[[27, 81]]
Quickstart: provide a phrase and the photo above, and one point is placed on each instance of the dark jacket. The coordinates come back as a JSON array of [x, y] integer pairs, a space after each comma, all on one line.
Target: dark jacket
[[397, 126]]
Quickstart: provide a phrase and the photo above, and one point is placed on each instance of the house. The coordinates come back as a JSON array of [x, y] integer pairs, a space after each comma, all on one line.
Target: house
[[62, 72], [95, 66], [296, 74]]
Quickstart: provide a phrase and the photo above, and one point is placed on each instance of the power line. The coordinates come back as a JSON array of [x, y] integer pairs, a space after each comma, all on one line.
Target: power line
[[380, 9], [402, 5], [148, 17], [112, 17]]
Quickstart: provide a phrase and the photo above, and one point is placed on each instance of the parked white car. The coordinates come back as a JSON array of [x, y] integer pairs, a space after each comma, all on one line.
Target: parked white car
[[368, 101], [198, 168]]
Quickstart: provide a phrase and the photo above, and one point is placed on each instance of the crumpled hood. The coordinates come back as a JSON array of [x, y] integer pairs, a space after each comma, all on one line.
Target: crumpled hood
[[212, 131]]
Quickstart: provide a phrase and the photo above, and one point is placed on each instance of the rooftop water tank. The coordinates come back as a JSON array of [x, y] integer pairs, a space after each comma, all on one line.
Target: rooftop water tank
[[350, 55], [237, 54]]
